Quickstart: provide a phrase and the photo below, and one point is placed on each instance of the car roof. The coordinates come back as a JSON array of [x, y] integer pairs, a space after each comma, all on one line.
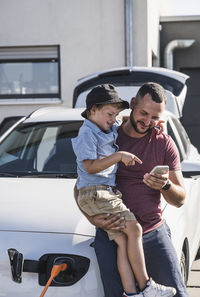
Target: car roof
[[60, 114], [54, 114]]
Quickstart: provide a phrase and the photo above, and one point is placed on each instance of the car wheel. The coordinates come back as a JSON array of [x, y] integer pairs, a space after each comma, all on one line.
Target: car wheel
[[183, 267], [198, 254]]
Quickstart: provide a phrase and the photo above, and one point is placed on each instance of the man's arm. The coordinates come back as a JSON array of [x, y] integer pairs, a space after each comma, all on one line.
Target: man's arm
[[102, 220], [175, 195]]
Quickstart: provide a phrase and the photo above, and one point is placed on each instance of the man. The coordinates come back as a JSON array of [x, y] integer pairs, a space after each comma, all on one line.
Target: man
[[141, 193]]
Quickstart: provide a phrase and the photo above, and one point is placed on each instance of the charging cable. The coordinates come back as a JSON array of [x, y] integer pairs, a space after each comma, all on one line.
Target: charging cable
[[56, 269]]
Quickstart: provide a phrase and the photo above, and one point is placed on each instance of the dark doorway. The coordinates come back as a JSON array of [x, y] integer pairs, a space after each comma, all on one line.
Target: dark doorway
[[191, 109]]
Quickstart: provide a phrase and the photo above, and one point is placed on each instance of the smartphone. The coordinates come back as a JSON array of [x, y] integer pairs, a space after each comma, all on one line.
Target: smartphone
[[160, 169]]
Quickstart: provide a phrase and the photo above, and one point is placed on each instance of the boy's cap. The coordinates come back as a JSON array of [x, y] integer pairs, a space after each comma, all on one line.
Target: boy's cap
[[103, 94]]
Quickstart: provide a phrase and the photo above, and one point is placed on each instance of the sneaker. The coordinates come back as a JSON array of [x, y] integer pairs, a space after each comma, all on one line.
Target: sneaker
[[137, 295], [156, 290]]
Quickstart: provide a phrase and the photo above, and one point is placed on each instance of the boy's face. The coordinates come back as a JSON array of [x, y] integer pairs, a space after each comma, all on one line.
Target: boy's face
[[105, 117]]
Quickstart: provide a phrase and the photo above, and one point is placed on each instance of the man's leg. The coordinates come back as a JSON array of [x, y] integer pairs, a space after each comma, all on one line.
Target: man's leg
[[106, 252], [161, 260]]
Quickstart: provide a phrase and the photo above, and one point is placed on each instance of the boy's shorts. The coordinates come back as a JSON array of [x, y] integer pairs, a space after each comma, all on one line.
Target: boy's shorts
[[100, 199]]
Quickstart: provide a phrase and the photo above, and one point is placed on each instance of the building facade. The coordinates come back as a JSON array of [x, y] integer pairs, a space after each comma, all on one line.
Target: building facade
[[183, 33], [45, 46]]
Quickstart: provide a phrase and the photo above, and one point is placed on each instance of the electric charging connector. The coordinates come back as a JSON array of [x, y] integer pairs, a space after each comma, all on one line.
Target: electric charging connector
[[56, 269]]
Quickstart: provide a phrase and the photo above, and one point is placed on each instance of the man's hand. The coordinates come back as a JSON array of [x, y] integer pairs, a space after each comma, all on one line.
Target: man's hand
[[156, 181], [176, 194], [160, 126], [103, 221]]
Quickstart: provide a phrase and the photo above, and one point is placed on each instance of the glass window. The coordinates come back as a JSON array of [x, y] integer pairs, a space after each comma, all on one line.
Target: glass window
[[183, 135], [29, 72], [172, 131], [39, 148]]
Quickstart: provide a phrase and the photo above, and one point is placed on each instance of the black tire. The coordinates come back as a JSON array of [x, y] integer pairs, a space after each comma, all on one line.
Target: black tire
[[198, 254], [184, 271]]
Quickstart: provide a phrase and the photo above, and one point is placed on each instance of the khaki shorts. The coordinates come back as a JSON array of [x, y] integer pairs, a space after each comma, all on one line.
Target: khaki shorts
[[100, 199]]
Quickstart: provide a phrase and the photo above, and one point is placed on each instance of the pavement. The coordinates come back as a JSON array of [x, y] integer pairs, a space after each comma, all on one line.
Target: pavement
[[194, 279]]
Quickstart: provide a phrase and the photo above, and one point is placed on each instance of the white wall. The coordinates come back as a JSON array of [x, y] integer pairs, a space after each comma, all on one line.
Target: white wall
[[146, 16], [90, 34]]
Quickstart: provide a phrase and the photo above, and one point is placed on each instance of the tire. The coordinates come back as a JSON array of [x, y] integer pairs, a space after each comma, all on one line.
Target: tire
[[183, 265], [198, 254]]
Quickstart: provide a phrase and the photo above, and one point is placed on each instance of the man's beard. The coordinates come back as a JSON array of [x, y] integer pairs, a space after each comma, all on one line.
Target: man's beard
[[134, 125]]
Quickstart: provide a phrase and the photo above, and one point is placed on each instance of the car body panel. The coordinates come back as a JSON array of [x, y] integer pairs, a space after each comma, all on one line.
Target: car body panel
[[33, 245], [41, 212]]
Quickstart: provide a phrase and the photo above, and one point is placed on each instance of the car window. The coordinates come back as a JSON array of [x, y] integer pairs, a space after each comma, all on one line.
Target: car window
[[8, 122], [173, 132], [35, 148], [46, 147], [183, 135]]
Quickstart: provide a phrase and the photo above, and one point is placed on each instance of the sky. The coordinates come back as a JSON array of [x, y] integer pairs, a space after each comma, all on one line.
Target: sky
[[186, 7]]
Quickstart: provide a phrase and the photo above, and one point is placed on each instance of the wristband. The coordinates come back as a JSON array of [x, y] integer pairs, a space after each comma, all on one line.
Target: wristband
[[167, 186]]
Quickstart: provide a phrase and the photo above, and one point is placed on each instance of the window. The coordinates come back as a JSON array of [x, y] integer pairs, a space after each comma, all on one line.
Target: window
[[29, 72], [172, 131], [183, 135], [40, 148]]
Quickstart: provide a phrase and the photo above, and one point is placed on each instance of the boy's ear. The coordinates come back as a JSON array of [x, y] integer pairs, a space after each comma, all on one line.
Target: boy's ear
[[132, 102], [92, 109]]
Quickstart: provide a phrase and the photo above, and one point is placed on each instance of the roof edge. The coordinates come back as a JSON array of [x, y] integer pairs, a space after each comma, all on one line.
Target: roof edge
[[180, 18]]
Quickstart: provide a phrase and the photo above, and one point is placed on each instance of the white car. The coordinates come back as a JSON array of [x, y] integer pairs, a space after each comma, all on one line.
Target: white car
[[40, 223]]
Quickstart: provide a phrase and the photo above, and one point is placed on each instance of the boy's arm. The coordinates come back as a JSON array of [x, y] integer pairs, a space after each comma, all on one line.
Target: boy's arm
[[95, 166]]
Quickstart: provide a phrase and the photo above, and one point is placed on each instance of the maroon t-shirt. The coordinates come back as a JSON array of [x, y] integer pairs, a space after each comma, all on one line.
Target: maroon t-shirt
[[153, 149]]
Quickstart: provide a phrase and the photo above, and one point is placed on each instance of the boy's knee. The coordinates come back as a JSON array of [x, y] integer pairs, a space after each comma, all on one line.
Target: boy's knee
[[135, 227]]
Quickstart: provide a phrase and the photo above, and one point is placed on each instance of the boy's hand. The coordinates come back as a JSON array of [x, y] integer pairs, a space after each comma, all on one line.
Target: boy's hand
[[129, 159]]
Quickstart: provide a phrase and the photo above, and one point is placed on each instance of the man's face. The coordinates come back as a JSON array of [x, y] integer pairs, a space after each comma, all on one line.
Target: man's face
[[146, 114]]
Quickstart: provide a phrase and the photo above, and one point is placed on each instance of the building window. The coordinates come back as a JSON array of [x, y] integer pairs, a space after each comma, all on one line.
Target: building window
[[29, 72]]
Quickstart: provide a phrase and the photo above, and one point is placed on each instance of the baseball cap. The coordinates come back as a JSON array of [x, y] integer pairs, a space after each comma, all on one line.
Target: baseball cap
[[103, 94]]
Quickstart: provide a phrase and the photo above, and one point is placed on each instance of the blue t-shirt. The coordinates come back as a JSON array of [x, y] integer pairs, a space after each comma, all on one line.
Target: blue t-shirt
[[91, 144]]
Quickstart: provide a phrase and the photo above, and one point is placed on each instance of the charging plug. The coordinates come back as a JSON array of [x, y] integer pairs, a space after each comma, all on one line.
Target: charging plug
[[56, 269]]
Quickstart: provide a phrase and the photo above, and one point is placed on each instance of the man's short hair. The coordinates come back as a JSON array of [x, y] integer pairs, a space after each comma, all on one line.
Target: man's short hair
[[156, 91]]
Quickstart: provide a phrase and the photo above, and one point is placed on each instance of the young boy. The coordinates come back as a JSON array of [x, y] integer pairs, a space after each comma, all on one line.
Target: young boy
[[97, 158]]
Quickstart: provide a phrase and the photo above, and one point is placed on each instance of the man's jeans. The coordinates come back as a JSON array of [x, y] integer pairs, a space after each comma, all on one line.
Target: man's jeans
[[161, 261]]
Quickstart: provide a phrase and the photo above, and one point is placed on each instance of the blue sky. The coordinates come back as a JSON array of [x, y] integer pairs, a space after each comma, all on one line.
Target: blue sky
[[186, 7]]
